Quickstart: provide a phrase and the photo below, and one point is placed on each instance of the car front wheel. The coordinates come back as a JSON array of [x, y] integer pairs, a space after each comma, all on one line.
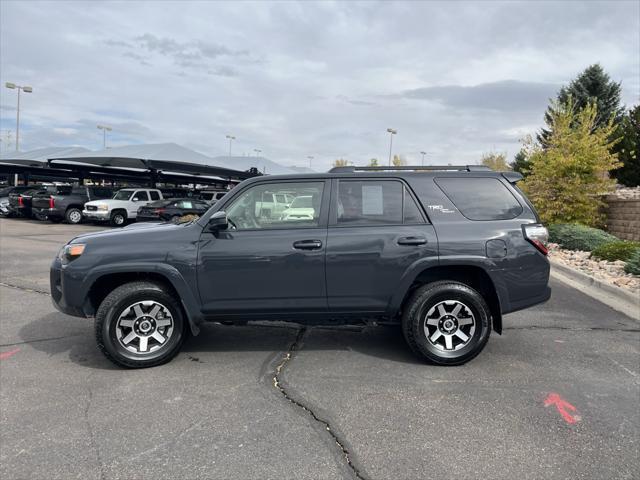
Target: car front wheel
[[140, 324], [118, 219], [446, 323], [73, 216]]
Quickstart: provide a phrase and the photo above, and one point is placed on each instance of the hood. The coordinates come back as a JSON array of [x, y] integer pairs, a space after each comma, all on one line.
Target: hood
[[110, 202], [135, 230]]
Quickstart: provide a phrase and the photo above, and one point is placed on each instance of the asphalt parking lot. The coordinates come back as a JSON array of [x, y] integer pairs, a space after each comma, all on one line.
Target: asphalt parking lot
[[557, 396]]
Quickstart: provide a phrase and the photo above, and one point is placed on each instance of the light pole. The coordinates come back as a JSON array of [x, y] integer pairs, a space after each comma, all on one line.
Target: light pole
[[310, 157], [392, 132], [25, 89], [257, 150], [423, 154], [104, 129], [231, 139]]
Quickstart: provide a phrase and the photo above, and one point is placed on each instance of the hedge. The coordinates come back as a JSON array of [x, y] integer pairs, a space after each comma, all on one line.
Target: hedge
[[619, 250], [578, 237], [633, 264]]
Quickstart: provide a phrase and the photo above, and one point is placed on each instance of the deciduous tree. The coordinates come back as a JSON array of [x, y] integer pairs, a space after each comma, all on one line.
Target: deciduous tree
[[495, 161], [568, 177]]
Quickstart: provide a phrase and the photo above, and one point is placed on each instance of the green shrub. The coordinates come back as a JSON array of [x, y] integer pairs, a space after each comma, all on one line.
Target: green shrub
[[578, 237], [633, 264], [619, 250]]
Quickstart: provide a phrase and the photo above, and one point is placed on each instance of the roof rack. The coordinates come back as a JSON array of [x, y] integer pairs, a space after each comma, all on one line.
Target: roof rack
[[456, 168]]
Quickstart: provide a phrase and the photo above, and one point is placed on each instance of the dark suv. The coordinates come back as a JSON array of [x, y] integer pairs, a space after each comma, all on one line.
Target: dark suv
[[443, 252]]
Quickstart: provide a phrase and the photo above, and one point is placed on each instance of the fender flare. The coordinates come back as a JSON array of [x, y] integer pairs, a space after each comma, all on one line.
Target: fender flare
[[170, 274]]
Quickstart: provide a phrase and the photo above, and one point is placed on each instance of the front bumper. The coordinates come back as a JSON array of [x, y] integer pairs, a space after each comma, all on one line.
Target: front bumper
[[96, 215], [67, 294]]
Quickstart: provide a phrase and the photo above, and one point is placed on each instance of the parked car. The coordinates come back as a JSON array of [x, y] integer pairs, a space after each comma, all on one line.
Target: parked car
[[20, 201], [176, 192], [122, 207], [304, 207], [171, 209], [4, 197], [442, 253], [66, 204], [211, 196], [271, 205]]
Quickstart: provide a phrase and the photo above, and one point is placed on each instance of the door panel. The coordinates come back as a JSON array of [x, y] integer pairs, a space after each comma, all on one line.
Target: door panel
[[264, 263], [376, 232], [244, 272]]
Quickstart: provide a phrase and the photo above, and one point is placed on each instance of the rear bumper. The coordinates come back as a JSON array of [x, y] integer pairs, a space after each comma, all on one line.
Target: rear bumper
[[48, 212]]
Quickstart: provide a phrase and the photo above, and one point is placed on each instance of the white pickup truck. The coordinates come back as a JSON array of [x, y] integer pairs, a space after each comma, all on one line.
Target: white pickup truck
[[122, 207]]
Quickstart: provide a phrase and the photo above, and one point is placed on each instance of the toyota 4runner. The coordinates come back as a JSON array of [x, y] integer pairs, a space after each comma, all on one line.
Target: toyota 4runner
[[444, 252]]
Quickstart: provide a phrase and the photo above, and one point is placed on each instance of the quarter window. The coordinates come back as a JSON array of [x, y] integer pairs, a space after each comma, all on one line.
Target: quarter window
[[258, 208], [481, 198]]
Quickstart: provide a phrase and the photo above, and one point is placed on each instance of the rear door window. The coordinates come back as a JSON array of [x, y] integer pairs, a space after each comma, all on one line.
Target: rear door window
[[375, 202], [154, 195], [480, 198], [141, 196]]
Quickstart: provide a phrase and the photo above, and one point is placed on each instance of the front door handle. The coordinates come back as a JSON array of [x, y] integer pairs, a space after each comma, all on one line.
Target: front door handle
[[307, 244], [412, 241]]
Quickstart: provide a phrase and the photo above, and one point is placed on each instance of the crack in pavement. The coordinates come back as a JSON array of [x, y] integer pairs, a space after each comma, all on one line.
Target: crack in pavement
[[26, 342], [278, 384], [24, 289]]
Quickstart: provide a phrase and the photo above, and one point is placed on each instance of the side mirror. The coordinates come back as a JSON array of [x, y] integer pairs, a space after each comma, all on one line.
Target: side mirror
[[134, 199], [218, 221]]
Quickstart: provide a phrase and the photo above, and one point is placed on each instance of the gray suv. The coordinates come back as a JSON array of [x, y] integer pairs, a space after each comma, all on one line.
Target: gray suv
[[443, 252]]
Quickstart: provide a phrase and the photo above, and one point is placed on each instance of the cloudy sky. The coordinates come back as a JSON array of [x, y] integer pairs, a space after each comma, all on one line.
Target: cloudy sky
[[327, 79]]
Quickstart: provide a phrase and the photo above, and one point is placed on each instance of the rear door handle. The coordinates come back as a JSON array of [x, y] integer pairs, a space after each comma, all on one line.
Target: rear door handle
[[412, 241], [307, 244]]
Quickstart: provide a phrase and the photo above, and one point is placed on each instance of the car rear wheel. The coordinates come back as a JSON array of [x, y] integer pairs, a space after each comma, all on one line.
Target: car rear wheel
[[447, 323], [140, 324], [118, 219], [73, 216]]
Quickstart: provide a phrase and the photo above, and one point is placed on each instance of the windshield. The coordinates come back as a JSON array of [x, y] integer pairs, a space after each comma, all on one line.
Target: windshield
[[302, 202], [123, 195]]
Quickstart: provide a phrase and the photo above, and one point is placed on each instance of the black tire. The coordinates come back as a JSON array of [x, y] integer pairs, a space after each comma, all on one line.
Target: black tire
[[434, 347], [119, 302], [118, 218], [73, 215]]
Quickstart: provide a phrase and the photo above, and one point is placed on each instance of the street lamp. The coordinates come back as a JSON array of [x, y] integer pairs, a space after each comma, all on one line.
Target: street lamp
[[231, 139], [310, 157], [104, 129], [25, 89], [392, 132], [423, 154], [257, 150]]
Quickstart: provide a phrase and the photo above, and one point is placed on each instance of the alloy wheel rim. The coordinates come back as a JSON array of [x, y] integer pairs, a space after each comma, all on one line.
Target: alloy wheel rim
[[118, 219], [449, 325], [75, 217], [144, 327]]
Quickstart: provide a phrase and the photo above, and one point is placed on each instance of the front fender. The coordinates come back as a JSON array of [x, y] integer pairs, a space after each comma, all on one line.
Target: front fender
[[170, 273]]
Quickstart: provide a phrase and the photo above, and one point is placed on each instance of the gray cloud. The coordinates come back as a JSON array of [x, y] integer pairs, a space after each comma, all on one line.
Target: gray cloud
[[505, 95], [306, 78]]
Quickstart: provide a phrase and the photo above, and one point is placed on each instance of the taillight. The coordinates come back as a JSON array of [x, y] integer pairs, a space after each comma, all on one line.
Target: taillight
[[537, 235], [20, 202], [52, 203]]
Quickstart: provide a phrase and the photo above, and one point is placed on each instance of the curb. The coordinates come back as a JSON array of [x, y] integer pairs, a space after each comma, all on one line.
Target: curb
[[616, 297]]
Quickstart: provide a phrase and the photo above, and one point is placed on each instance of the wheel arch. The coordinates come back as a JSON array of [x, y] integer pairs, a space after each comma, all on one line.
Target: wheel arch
[[472, 275], [99, 284]]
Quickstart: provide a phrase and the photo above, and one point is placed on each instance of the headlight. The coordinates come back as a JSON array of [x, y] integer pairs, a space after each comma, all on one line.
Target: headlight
[[103, 208], [70, 252]]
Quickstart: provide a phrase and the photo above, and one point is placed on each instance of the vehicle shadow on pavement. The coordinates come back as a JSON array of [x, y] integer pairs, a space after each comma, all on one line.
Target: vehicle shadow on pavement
[[55, 334]]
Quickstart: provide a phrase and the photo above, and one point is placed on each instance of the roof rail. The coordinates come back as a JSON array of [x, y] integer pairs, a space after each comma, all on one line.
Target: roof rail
[[456, 168]]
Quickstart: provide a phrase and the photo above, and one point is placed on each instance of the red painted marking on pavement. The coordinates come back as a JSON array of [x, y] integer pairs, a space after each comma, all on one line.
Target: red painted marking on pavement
[[562, 405], [5, 355]]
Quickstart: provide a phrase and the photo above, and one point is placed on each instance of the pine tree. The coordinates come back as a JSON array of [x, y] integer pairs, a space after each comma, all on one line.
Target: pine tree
[[628, 149], [592, 86], [520, 162]]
